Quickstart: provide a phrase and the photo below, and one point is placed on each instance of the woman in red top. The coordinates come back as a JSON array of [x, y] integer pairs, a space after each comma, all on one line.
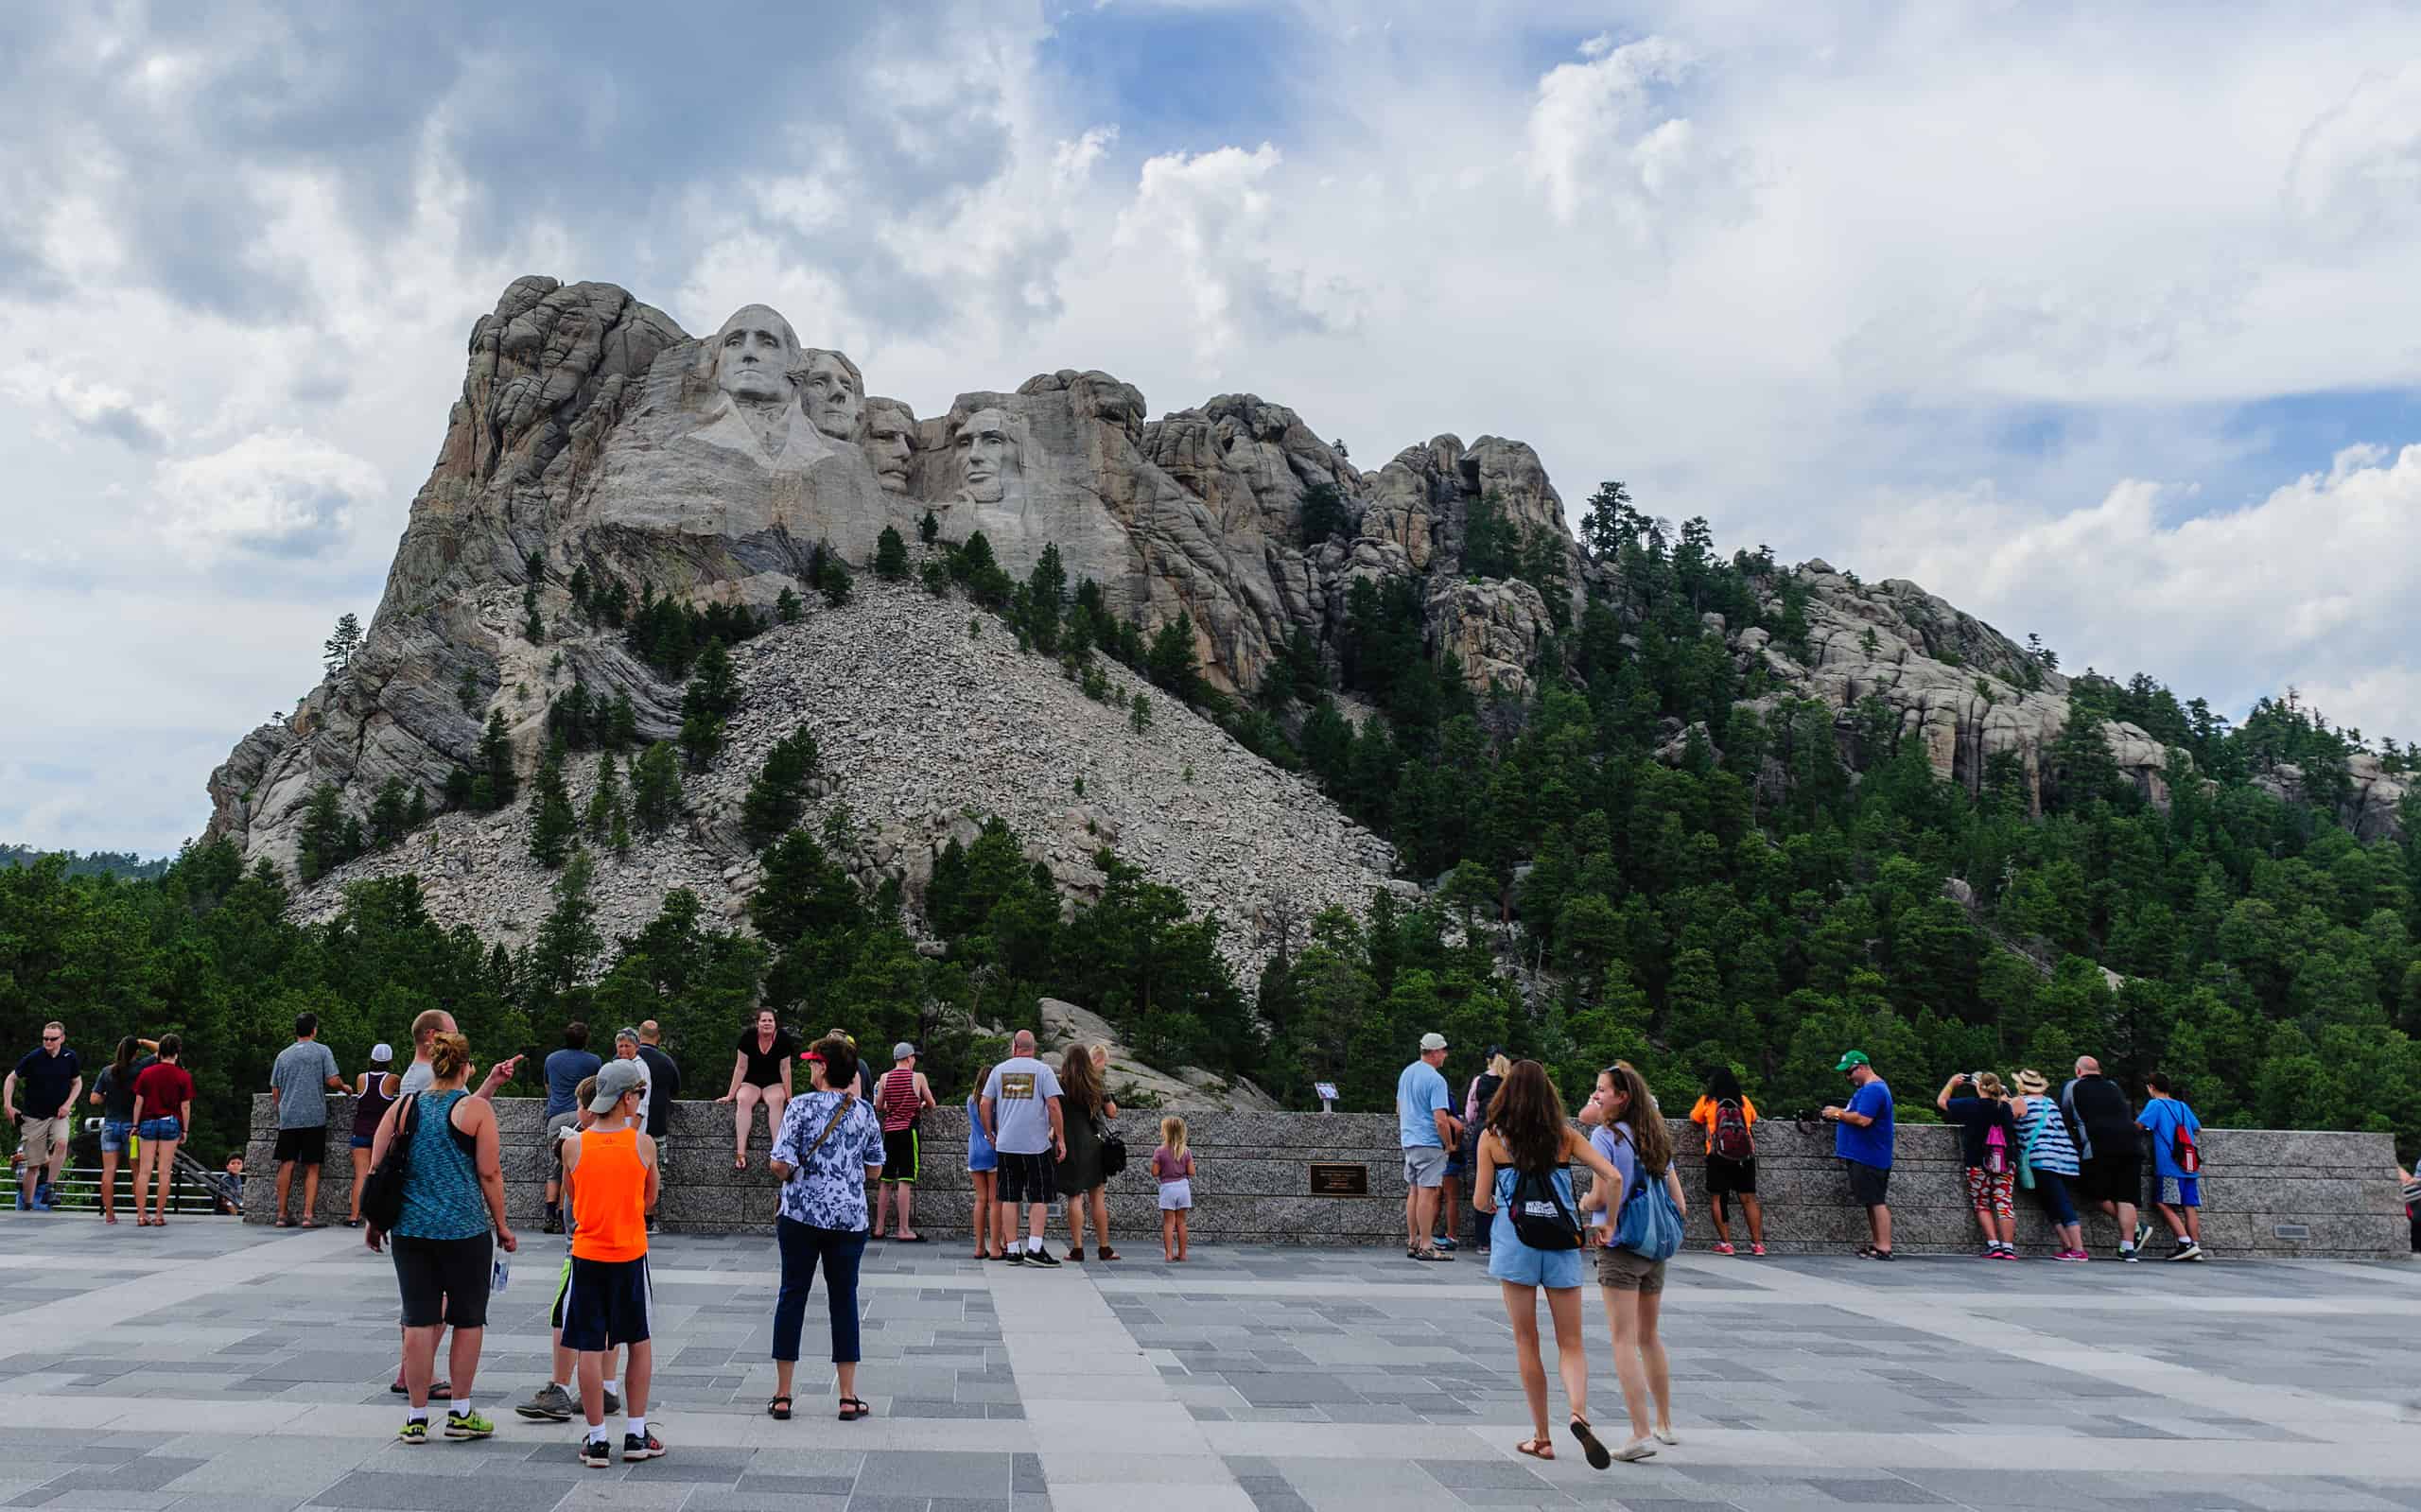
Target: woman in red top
[[163, 1113]]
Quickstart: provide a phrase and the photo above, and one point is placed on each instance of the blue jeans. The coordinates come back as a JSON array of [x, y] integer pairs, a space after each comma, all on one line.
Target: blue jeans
[[803, 1247], [113, 1134], [163, 1128]]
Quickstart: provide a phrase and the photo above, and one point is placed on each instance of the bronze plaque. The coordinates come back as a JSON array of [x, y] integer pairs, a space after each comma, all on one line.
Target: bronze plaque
[[1340, 1178]]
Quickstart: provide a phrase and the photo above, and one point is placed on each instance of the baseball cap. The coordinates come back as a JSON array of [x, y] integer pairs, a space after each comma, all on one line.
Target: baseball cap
[[616, 1080], [1856, 1057], [382, 1053], [903, 1050], [1432, 1040]]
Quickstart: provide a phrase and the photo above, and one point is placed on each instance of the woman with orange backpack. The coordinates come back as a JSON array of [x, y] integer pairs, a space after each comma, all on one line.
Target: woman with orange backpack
[[1724, 1111]]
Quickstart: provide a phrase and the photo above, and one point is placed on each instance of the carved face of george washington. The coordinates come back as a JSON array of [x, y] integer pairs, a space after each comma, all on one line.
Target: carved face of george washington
[[754, 353]]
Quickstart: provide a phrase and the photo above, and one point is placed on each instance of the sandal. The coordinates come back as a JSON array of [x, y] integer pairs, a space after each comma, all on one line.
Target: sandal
[[852, 1409], [284, 1222], [1599, 1456], [779, 1407], [1428, 1255], [1104, 1252], [1535, 1448], [310, 1223]]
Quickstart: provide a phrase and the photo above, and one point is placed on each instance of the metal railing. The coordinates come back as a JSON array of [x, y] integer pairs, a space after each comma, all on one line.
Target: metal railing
[[193, 1188]]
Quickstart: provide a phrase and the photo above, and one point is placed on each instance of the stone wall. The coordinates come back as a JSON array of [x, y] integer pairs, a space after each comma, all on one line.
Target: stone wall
[[2260, 1186]]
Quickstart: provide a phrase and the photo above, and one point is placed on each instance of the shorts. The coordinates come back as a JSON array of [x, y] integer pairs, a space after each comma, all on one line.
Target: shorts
[[1731, 1178], [980, 1161], [563, 1285], [1509, 1259], [362, 1141], [1989, 1194], [444, 1280], [2109, 1178], [1424, 1165], [1869, 1185], [899, 1156], [40, 1138], [1176, 1196], [115, 1133], [607, 1304], [305, 1146], [1028, 1179], [1625, 1270], [167, 1128], [2180, 1192], [1455, 1167]]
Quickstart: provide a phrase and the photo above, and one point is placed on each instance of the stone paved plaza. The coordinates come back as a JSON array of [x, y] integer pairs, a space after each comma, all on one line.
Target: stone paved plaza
[[213, 1365]]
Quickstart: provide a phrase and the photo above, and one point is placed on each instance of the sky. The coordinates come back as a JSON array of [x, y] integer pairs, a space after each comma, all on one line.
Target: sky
[[2098, 321]]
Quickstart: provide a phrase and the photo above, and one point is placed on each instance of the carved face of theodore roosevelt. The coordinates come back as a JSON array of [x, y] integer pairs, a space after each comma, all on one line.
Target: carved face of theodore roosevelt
[[833, 393], [754, 353], [887, 438], [986, 456]]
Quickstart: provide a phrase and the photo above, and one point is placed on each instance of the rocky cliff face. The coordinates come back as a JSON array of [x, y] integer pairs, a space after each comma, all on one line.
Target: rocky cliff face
[[594, 435]]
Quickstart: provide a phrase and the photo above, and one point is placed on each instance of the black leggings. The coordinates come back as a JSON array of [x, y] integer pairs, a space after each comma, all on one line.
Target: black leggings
[[444, 1280]]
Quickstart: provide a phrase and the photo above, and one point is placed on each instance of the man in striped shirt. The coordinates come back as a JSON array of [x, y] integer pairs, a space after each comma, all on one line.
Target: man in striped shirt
[[900, 1098]]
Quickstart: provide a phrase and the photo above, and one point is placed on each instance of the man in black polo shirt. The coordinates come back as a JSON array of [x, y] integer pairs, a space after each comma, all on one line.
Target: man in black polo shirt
[[39, 1097], [2104, 1128], [663, 1085]]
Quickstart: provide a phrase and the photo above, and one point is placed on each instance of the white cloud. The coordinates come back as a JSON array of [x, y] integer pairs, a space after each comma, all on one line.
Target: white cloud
[[1598, 131], [2310, 585], [275, 493]]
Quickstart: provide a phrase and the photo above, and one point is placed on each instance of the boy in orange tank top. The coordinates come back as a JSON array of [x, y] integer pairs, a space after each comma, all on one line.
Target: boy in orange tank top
[[611, 1177]]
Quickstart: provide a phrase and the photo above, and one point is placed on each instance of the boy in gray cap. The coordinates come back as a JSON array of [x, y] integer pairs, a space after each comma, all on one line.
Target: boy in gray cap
[[900, 1098]]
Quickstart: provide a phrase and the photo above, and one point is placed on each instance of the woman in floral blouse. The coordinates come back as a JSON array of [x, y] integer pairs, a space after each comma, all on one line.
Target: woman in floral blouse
[[831, 1145]]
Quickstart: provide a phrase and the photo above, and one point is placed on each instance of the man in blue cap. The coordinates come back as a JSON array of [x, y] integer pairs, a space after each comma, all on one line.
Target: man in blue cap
[[1862, 1138]]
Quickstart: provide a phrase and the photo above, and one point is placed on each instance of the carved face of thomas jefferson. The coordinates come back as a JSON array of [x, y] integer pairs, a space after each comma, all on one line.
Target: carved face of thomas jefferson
[[753, 355], [833, 393], [986, 456]]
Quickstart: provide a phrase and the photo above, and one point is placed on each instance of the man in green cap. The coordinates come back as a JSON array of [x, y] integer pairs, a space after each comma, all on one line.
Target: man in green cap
[[1862, 1138]]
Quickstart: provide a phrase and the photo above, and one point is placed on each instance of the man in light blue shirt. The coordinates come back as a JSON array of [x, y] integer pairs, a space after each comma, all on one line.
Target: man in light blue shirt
[[1427, 1125]]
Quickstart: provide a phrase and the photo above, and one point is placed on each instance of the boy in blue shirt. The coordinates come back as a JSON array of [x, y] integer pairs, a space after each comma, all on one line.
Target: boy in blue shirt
[[2165, 1119], [1862, 1138]]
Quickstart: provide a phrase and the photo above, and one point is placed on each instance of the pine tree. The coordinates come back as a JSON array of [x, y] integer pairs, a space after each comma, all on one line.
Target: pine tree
[[389, 814], [496, 759], [1139, 714], [777, 798], [567, 942], [621, 723], [417, 814], [337, 652], [707, 703], [607, 807], [533, 629], [928, 529], [656, 789], [833, 580], [319, 844], [466, 692], [786, 608], [554, 829], [890, 555]]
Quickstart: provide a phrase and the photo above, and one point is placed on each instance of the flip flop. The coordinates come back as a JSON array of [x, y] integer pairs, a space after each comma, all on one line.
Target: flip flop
[[1599, 1456], [284, 1222], [311, 1223], [1535, 1448], [907, 1239]]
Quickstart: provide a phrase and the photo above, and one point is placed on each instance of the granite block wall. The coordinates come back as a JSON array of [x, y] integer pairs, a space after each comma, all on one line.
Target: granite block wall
[[2266, 1192]]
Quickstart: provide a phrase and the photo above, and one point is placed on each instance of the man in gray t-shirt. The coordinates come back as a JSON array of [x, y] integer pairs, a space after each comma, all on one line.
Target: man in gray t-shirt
[[298, 1083], [1020, 1114]]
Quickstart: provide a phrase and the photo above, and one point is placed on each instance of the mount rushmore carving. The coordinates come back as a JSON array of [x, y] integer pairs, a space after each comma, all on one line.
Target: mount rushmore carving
[[594, 434]]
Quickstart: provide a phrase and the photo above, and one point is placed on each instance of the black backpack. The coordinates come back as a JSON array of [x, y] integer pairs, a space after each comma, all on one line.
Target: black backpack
[[1542, 1220], [382, 1193]]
